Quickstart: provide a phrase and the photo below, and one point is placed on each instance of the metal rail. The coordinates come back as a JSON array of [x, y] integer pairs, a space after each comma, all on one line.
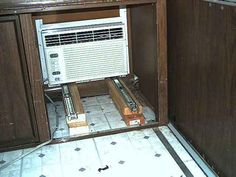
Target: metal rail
[[68, 102], [127, 98], [193, 153]]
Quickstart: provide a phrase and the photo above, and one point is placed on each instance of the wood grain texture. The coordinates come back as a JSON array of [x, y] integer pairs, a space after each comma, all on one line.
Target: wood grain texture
[[17, 119], [129, 32], [149, 49], [201, 45], [135, 119], [34, 69], [232, 52], [23, 6], [76, 98], [65, 16], [119, 101], [129, 117], [144, 50], [94, 88], [140, 107], [80, 119], [162, 61]]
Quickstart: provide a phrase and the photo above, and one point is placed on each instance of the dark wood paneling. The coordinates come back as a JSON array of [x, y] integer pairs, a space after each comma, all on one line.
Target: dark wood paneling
[[161, 39], [93, 88], [33, 65], [17, 120], [129, 32], [149, 54], [29, 3], [144, 50], [15, 6], [201, 78], [232, 55], [181, 41], [65, 16], [216, 73]]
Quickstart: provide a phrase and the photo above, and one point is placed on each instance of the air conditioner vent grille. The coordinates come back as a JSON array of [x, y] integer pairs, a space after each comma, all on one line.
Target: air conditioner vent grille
[[116, 33], [85, 36], [69, 38], [52, 40]]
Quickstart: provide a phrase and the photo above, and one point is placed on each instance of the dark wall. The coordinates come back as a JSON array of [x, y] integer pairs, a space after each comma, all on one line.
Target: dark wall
[[202, 78]]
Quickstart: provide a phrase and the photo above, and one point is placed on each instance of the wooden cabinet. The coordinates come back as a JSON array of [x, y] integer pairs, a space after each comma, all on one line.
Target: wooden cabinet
[[23, 116], [17, 117]]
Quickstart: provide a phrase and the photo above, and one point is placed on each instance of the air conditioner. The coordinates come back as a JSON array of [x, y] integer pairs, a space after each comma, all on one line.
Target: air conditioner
[[83, 50]]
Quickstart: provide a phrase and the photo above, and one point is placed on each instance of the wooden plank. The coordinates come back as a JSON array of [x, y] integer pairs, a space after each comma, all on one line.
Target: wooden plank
[[130, 118], [140, 107], [162, 61], [232, 51], [76, 98], [135, 119], [116, 97], [129, 26], [16, 7], [79, 110], [33, 65], [60, 17], [76, 123]]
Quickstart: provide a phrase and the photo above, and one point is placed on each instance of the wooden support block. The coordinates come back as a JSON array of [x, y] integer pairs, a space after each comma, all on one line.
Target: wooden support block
[[119, 101], [79, 110], [130, 118], [117, 98], [135, 119], [74, 91], [76, 123], [140, 107]]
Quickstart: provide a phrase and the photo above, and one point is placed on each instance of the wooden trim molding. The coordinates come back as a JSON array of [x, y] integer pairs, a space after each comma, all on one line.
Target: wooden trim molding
[[162, 61], [32, 57], [17, 7]]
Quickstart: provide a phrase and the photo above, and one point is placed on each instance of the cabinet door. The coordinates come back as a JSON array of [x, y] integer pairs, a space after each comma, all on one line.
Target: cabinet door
[[17, 120]]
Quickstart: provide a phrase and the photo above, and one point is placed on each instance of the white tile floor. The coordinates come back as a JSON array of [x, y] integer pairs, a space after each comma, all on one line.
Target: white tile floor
[[101, 114], [136, 153]]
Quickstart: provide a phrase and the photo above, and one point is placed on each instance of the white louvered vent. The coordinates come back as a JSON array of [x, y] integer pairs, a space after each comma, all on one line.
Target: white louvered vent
[[100, 60], [84, 50]]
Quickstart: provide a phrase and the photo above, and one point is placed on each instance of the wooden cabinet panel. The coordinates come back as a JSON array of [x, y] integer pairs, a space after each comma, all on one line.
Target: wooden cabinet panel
[[149, 54], [35, 76], [202, 69], [144, 50], [17, 124], [232, 52]]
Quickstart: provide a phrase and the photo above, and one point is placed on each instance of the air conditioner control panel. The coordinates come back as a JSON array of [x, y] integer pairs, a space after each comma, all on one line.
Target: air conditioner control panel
[[55, 72]]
